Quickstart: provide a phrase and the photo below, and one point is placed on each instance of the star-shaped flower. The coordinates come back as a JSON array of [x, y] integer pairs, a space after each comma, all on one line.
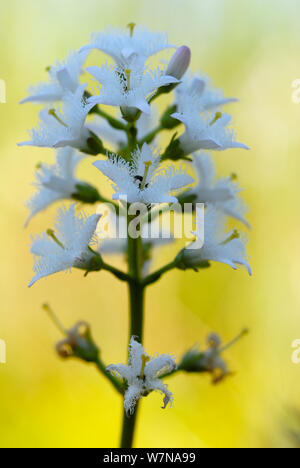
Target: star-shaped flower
[[205, 131], [143, 375], [58, 129], [130, 87], [142, 180], [213, 244], [137, 44], [195, 92], [222, 192], [55, 182], [64, 76], [67, 246]]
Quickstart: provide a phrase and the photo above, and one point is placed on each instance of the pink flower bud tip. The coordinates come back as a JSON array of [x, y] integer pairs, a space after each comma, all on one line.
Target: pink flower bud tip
[[179, 63]]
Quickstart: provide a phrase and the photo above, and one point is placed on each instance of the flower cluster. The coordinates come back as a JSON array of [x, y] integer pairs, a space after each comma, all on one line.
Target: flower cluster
[[86, 109]]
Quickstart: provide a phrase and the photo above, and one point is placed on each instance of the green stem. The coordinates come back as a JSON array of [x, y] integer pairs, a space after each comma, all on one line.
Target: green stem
[[113, 122], [150, 136], [136, 308], [157, 274], [116, 272]]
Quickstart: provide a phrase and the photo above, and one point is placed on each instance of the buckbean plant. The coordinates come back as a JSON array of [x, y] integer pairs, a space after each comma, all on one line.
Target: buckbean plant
[[118, 107]]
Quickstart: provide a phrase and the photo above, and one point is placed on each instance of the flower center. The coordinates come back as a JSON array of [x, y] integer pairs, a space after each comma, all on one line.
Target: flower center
[[127, 73], [234, 235], [53, 113], [145, 359], [217, 116], [131, 27], [51, 234], [144, 184]]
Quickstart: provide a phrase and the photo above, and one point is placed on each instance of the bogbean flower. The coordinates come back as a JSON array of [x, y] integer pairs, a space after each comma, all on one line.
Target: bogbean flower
[[64, 76], [210, 360], [196, 92], [78, 343], [209, 132], [222, 193], [137, 44], [58, 129], [55, 182], [143, 375], [127, 88], [142, 180], [215, 245], [67, 246]]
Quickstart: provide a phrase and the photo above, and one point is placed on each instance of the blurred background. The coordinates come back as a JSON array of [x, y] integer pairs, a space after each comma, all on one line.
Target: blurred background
[[251, 50]]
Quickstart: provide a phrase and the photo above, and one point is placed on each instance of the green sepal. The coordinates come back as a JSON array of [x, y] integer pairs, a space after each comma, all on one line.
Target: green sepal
[[94, 145], [191, 362], [167, 121], [86, 193], [174, 150]]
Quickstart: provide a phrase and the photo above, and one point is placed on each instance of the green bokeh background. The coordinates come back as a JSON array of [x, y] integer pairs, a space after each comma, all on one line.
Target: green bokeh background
[[250, 48]]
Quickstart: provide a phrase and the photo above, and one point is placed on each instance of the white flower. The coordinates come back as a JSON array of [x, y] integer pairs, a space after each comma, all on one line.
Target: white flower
[[222, 192], [205, 132], [143, 375], [64, 76], [141, 180], [197, 93], [67, 246], [124, 47], [127, 87], [218, 246], [55, 182], [67, 128]]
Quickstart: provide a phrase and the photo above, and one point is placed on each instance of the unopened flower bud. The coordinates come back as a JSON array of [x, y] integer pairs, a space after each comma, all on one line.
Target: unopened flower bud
[[179, 63]]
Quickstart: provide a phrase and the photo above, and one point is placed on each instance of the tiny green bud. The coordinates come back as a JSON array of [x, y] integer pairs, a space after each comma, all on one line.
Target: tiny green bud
[[173, 150], [94, 145], [86, 193]]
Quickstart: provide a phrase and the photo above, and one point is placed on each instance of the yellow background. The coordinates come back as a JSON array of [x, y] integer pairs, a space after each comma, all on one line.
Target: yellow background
[[250, 49]]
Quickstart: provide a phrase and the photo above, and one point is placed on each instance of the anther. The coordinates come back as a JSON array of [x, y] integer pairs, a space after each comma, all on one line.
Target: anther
[[145, 359], [51, 234], [217, 116], [53, 113], [131, 27]]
